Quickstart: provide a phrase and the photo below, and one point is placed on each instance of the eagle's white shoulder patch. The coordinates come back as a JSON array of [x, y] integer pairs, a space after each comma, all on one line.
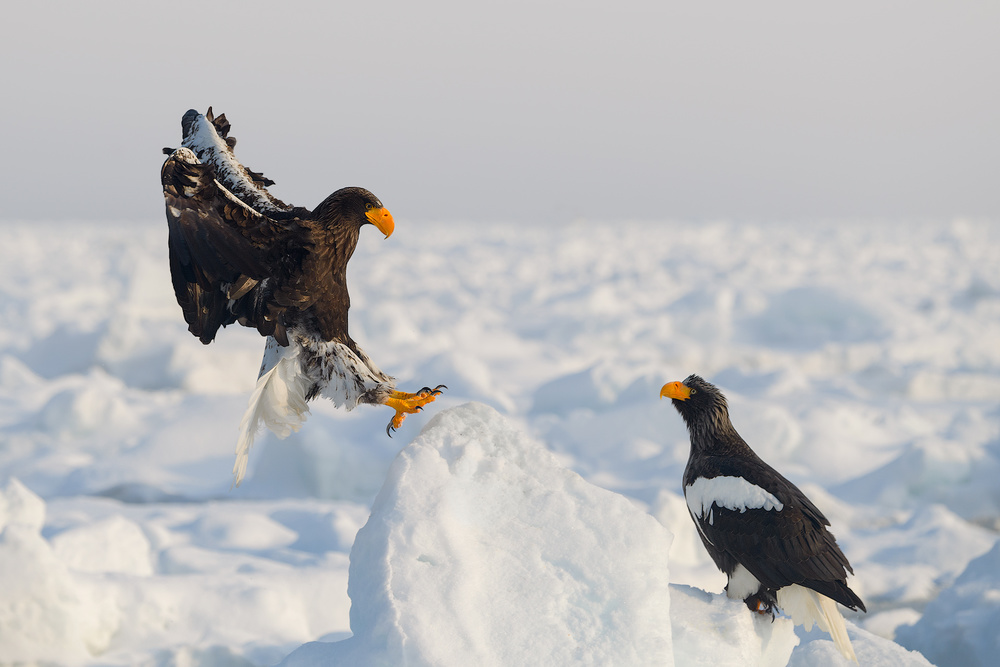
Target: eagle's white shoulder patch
[[734, 493]]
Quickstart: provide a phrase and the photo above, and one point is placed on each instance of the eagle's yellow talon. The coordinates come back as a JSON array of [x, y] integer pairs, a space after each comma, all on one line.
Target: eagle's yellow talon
[[404, 403]]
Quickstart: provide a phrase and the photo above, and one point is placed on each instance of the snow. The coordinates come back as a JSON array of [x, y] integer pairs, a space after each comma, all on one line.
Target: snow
[[510, 549], [960, 625], [860, 360]]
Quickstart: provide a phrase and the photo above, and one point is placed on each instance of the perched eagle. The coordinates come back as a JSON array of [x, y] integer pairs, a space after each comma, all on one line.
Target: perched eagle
[[760, 529], [238, 254]]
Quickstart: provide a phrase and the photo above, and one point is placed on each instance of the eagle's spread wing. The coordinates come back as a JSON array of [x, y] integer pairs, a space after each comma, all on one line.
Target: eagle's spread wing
[[233, 246], [207, 136], [238, 254], [218, 248], [779, 547]]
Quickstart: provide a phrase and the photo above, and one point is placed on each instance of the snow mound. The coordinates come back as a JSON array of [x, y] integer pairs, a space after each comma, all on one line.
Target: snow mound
[[481, 550], [914, 560], [811, 317], [205, 585], [20, 507], [872, 651], [45, 615], [710, 630], [958, 471], [959, 628], [114, 544]]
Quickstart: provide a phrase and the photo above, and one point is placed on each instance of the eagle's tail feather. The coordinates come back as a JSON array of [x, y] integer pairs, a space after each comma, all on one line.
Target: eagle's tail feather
[[836, 627], [806, 607], [278, 401]]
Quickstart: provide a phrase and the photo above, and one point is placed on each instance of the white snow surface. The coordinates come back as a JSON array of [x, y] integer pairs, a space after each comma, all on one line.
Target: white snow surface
[[510, 549], [960, 625], [860, 360]]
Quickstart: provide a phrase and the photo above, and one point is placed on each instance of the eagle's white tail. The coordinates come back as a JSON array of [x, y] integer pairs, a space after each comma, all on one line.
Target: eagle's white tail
[[278, 401], [806, 607]]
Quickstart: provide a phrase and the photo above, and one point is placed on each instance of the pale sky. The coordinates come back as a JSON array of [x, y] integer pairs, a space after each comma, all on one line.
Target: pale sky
[[535, 111]]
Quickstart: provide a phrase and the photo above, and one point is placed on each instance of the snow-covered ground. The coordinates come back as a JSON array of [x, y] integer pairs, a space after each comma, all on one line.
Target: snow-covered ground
[[862, 360]]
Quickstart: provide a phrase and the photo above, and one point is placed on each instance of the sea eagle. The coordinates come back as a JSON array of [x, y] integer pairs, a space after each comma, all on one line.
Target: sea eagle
[[238, 254], [770, 540]]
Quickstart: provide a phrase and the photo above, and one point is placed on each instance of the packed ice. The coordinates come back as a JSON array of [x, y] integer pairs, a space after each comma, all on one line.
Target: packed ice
[[534, 514]]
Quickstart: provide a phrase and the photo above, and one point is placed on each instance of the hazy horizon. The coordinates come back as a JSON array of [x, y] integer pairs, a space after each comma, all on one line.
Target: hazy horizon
[[535, 111]]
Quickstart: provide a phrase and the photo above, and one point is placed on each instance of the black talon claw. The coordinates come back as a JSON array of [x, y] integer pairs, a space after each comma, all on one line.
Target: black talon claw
[[389, 429], [763, 602]]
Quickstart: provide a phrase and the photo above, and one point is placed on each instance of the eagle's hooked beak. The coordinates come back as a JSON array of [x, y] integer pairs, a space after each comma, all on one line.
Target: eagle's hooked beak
[[381, 218], [677, 390]]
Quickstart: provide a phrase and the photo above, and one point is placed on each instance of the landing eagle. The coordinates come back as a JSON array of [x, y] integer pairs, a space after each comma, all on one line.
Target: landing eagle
[[239, 255]]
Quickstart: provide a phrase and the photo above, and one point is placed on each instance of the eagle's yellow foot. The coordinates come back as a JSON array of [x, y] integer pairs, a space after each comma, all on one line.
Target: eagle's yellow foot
[[761, 604], [405, 404]]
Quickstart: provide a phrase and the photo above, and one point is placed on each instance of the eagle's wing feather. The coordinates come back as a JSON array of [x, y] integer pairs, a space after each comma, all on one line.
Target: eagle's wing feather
[[268, 257], [222, 252]]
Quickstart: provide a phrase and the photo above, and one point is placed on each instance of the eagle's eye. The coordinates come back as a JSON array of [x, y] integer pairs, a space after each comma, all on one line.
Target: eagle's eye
[[694, 391], [369, 206]]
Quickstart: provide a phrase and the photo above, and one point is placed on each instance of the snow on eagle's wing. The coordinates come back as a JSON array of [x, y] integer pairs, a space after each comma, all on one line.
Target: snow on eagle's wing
[[220, 251], [780, 547], [208, 137]]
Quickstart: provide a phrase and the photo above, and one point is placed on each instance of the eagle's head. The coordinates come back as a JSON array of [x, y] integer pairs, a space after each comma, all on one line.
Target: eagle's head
[[700, 402], [355, 205]]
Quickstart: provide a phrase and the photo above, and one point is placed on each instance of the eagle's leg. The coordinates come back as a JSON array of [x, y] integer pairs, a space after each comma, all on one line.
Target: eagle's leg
[[405, 404], [762, 602]]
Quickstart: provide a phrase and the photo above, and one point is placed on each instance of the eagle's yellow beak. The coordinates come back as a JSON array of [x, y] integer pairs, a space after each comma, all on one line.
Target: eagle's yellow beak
[[381, 218], [676, 390]]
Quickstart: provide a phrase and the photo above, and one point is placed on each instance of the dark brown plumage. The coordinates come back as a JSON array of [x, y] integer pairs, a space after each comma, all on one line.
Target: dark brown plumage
[[281, 266], [759, 528], [240, 255]]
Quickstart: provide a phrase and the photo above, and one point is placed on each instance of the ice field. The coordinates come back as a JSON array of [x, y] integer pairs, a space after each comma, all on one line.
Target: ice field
[[526, 516]]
